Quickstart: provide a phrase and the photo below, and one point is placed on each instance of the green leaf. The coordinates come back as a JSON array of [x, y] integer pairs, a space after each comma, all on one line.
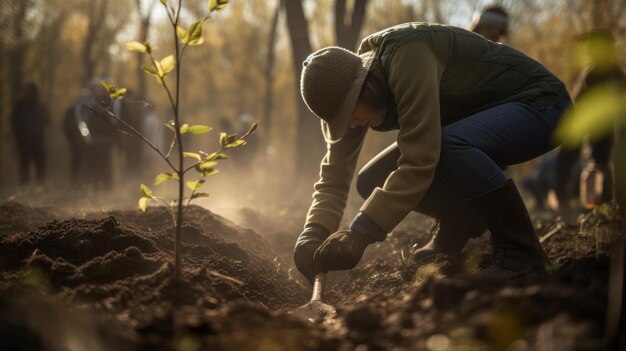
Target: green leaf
[[199, 129], [106, 85], [118, 94], [217, 5], [593, 117], [182, 34], [197, 195], [253, 128], [145, 190], [194, 42], [192, 155], [136, 46], [184, 128], [170, 125], [149, 69], [113, 91], [206, 172], [159, 68], [164, 2], [226, 139], [148, 47], [163, 177], [168, 64], [207, 165], [143, 203], [235, 143], [194, 34], [195, 185], [216, 156], [209, 172]]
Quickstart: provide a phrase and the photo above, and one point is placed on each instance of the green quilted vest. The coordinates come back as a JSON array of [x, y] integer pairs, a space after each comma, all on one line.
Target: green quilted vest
[[479, 74]]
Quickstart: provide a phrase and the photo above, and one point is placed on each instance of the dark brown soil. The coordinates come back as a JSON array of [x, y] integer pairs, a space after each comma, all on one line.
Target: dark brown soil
[[104, 282]]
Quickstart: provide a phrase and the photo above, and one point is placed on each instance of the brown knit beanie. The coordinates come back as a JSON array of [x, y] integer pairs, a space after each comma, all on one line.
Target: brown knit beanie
[[330, 85]]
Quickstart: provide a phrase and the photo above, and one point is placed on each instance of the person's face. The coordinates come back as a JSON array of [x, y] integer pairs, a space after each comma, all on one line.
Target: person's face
[[363, 116]]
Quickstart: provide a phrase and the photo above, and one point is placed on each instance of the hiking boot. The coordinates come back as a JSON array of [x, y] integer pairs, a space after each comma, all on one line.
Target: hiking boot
[[516, 247], [450, 235]]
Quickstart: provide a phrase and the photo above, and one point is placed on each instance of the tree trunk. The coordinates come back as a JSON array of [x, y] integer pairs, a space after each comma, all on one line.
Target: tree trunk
[[18, 51], [347, 29], [145, 18], [269, 72], [310, 146], [97, 15], [52, 60]]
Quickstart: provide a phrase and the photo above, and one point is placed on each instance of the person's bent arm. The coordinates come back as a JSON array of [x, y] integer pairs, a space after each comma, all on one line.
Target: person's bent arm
[[414, 76], [336, 173], [329, 199]]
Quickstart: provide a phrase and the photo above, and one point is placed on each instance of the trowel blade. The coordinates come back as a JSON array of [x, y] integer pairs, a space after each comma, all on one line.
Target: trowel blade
[[314, 311]]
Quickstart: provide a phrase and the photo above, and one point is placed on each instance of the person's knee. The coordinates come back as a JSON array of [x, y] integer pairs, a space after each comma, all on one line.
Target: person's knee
[[453, 141], [451, 148]]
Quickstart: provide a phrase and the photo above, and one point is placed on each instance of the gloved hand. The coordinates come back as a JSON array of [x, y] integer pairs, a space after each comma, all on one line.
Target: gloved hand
[[344, 249], [310, 239]]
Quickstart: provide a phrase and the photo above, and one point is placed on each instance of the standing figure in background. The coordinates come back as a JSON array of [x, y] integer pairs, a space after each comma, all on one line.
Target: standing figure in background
[[153, 129], [29, 121], [75, 140], [97, 133], [492, 23], [132, 112], [600, 69]]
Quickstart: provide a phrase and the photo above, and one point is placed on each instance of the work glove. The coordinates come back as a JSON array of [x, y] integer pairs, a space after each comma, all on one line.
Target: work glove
[[310, 239], [344, 249]]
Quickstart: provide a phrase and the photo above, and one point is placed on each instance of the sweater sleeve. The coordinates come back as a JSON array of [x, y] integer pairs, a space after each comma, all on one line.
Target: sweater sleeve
[[414, 74], [336, 173]]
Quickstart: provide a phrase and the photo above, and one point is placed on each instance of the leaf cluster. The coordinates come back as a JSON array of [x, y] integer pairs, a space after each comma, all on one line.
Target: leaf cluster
[[205, 164]]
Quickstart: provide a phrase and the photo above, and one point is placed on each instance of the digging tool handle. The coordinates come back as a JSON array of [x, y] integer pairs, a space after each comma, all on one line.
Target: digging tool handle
[[318, 287]]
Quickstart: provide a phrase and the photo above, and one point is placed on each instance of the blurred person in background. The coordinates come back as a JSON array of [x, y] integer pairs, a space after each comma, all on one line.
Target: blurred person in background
[[133, 112], [29, 121], [75, 140], [492, 23], [465, 107], [561, 172], [98, 135], [154, 131], [600, 69]]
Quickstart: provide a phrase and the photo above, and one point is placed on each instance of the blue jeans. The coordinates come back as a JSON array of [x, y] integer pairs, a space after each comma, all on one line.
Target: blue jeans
[[474, 152]]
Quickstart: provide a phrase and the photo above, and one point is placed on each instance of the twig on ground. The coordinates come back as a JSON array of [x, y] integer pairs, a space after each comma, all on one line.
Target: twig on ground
[[555, 230], [226, 278]]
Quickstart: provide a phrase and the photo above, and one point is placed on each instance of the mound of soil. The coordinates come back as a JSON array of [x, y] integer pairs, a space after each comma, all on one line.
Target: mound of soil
[[105, 282]]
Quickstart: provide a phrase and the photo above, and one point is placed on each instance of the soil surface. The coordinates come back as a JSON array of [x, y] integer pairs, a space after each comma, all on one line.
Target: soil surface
[[103, 281]]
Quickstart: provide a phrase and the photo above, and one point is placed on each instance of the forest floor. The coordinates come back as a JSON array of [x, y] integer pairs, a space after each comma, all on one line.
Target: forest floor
[[102, 280]]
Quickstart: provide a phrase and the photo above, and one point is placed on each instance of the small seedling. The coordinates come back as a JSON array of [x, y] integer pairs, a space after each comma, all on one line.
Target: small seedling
[[204, 164]]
